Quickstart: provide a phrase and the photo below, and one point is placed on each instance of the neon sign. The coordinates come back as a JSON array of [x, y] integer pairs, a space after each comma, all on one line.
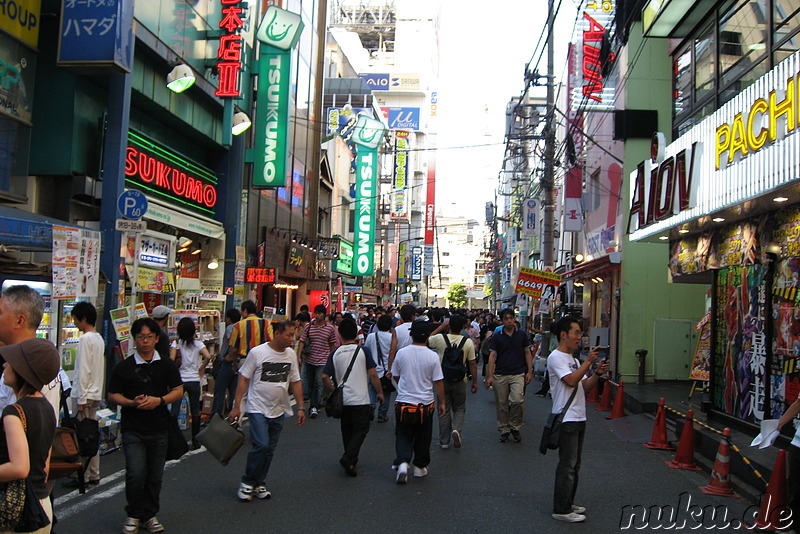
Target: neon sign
[[164, 174], [260, 275], [592, 92], [229, 54]]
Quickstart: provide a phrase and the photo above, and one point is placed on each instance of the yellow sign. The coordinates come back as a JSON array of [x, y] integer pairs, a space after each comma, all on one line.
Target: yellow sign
[[153, 280], [749, 132], [533, 282], [20, 18]]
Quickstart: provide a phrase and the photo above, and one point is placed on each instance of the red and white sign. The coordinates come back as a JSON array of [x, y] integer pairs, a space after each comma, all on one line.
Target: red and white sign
[[229, 53], [595, 93]]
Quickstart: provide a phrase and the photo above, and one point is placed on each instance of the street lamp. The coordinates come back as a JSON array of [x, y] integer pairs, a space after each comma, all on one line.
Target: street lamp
[[397, 272]]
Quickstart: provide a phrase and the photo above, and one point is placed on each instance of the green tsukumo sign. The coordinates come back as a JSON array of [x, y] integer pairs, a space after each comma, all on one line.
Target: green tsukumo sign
[[271, 145], [366, 211]]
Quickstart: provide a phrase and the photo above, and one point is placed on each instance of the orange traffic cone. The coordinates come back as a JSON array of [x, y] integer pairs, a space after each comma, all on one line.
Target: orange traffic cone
[[720, 483], [605, 399], [684, 457], [619, 403], [594, 396], [659, 438], [773, 503]]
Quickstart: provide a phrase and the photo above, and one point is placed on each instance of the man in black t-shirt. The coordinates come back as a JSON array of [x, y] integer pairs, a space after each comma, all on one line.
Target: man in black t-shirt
[[144, 385]]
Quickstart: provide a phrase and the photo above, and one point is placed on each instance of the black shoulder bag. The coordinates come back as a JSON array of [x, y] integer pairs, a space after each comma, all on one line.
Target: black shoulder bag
[[335, 403], [386, 382], [552, 428]]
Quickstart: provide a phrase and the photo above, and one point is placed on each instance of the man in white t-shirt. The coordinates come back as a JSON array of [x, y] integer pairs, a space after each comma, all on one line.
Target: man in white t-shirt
[[357, 410], [89, 378], [566, 374], [266, 374], [419, 374]]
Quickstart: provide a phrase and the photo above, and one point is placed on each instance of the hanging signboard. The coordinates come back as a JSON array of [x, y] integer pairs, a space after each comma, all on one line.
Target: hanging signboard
[[533, 281], [96, 34]]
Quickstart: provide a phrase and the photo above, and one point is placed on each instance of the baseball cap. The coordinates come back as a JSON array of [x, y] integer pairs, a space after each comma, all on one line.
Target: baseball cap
[[36, 360], [159, 312]]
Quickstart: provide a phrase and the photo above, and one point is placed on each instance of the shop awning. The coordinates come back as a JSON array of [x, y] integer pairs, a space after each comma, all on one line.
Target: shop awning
[[673, 18], [27, 231], [590, 269], [178, 218]]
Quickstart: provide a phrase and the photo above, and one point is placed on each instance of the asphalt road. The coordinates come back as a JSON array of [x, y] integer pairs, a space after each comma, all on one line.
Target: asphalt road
[[485, 486]]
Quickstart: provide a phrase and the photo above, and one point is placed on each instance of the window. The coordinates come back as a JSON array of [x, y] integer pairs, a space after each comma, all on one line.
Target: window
[[704, 59], [595, 191], [682, 72], [742, 39], [786, 20]]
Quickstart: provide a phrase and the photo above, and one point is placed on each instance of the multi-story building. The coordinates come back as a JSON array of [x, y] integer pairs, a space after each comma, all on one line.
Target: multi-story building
[[457, 255]]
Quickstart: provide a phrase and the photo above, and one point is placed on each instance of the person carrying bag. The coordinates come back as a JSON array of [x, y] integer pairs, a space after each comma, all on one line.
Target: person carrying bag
[[551, 432], [27, 430]]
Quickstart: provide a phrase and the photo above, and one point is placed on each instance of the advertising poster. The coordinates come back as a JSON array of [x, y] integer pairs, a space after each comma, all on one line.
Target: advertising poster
[[701, 363], [533, 282], [740, 355], [76, 262], [784, 371], [121, 319]]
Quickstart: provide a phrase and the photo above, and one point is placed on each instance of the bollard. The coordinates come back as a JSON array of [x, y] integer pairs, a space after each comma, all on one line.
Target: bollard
[[642, 355]]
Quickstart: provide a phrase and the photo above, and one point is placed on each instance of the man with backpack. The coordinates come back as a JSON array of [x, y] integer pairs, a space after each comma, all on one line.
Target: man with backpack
[[456, 352]]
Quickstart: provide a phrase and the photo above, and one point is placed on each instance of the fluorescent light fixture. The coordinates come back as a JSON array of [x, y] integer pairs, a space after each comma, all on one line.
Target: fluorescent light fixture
[[718, 219], [664, 237], [241, 122], [184, 242], [683, 231], [213, 264], [196, 251], [182, 250], [780, 199], [180, 78]]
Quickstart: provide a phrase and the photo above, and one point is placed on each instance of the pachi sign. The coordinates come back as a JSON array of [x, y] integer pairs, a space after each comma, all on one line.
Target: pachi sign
[[671, 188], [165, 174], [229, 54]]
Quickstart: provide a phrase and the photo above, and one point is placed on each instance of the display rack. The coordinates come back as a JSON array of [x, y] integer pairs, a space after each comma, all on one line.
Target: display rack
[[208, 327]]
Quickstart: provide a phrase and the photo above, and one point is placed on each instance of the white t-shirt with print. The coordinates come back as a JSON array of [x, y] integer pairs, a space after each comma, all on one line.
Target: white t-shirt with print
[[418, 368], [559, 365], [270, 373], [190, 359]]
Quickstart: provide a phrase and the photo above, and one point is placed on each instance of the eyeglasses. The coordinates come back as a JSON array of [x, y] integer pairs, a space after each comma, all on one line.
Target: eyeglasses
[[143, 337]]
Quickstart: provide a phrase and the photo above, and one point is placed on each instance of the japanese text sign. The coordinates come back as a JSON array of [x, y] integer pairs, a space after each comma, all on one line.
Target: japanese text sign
[[229, 53], [96, 33], [532, 281]]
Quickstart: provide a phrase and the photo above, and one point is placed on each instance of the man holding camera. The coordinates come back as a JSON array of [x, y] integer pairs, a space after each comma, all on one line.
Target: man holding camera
[[566, 374]]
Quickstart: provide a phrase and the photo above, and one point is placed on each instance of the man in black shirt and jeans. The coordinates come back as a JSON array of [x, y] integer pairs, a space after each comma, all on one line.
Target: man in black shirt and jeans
[[144, 385], [510, 370]]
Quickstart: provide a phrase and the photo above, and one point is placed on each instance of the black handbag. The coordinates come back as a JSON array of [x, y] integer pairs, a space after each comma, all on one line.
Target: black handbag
[[335, 403], [176, 443], [552, 428], [386, 382], [87, 431], [221, 439]]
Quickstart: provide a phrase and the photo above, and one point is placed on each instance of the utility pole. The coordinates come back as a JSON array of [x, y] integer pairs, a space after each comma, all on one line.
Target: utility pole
[[548, 241]]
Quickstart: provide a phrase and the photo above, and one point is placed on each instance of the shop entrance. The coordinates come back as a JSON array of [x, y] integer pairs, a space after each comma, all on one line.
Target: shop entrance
[[673, 345]]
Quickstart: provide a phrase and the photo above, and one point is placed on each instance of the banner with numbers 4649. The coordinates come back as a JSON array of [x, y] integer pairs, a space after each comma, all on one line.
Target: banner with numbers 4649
[[533, 281]]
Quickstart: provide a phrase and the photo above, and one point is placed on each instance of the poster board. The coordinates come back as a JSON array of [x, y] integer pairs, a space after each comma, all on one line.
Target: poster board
[[701, 362]]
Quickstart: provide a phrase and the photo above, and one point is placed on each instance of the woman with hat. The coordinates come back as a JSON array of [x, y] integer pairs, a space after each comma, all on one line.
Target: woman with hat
[[24, 450]]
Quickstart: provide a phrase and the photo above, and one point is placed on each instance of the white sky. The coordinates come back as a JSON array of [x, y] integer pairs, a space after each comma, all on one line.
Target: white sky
[[474, 76]]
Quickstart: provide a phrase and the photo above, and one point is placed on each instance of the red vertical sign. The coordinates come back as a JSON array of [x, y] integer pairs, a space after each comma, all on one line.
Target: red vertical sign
[[430, 202]]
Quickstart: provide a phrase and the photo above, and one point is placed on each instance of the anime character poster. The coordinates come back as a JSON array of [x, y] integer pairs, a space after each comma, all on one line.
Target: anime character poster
[[785, 375], [740, 355]]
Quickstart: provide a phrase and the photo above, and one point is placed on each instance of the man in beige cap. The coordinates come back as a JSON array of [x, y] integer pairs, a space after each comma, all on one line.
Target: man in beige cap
[[161, 315]]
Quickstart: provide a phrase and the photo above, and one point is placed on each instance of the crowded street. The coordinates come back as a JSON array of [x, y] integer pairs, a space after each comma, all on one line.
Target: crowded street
[[485, 486]]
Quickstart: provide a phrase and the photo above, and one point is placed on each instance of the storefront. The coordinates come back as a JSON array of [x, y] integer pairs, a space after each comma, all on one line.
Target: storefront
[[726, 195]]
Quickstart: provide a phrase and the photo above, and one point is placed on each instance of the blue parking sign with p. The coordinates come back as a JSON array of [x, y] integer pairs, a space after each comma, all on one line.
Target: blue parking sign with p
[[132, 204]]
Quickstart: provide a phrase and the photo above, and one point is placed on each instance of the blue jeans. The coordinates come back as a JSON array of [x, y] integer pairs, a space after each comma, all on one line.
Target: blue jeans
[[383, 409], [264, 434], [570, 446], [312, 384], [145, 456], [226, 380]]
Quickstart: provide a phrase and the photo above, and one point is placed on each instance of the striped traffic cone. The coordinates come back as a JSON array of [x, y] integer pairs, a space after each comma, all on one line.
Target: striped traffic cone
[[720, 483], [684, 456], [773, 503], [605, 399], [659, 438], [619, 402]]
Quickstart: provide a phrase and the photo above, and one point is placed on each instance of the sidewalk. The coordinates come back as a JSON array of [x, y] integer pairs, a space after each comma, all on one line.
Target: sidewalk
[[645, 398]]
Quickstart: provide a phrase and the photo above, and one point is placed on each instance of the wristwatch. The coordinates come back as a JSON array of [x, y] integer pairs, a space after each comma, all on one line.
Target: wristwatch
[[162, 402]]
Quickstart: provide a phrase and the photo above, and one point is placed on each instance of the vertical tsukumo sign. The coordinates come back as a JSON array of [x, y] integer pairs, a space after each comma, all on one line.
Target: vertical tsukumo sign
[[400, 199], [366, 211], [272, 118]]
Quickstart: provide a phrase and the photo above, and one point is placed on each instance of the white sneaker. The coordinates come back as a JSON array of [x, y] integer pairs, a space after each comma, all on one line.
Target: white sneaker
[[420, 472], [571, 517], [131, 526], [262, 492], [578, 509], [444, 445], [314, 413], [402, 473], [456, 435], [245, 492], [153, 525]]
